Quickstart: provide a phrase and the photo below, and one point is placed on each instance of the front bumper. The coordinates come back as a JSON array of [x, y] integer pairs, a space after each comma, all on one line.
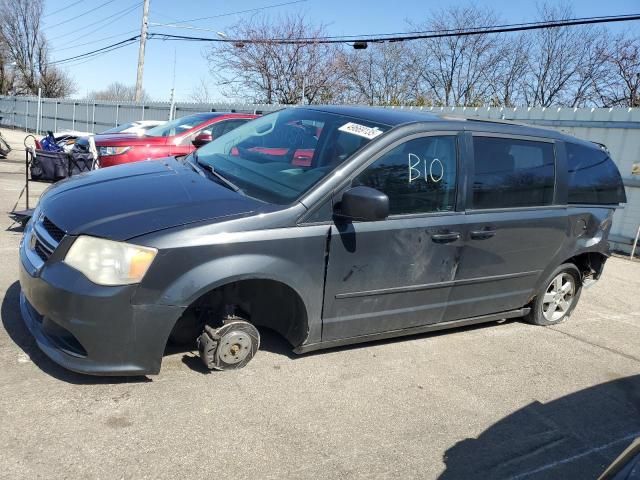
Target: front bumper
[[89, 328]]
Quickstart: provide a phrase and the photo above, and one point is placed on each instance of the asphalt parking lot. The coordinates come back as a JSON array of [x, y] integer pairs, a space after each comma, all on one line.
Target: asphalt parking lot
[[505, 400]]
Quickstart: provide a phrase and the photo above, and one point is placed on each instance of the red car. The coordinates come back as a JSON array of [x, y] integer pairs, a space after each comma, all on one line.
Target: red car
[[175, 138]]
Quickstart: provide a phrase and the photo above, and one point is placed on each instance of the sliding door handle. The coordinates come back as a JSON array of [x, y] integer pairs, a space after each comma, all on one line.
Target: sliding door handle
[[482, 234], [445, 237]]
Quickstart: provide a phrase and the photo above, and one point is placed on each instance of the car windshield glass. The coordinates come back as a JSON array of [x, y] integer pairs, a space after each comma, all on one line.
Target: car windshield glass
[[278, 157], [177, 126], [119, 128]]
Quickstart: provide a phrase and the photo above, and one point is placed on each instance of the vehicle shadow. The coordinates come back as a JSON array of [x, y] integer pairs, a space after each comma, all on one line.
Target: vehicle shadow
[[19, 333], [273, 342], [575, 436]]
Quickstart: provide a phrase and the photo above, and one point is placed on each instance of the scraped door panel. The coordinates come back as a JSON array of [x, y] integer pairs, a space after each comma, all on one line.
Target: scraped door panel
[[397, 273], [391, 275]]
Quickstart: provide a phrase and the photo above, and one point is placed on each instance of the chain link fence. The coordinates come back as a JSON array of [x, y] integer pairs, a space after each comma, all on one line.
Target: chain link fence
[[94, 117]]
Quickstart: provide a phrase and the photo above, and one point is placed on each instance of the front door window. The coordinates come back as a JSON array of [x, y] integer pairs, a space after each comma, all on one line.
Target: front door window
[[418, 176]]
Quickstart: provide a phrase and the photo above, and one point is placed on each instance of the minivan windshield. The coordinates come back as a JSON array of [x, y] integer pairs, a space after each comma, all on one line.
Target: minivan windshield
[[179, 125], [278, 157]]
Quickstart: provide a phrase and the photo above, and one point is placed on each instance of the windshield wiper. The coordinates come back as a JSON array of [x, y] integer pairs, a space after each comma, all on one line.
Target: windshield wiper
[[209, 168]]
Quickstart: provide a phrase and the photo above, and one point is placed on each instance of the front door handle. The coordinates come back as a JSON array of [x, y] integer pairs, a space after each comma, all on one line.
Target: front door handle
[[482, 234], [445, 237]]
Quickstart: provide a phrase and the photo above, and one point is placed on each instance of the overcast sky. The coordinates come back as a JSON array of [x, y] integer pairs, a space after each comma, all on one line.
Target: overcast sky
[[342, 17]]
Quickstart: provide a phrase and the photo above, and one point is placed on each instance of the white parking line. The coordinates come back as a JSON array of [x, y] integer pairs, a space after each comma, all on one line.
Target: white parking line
[[551, 465]]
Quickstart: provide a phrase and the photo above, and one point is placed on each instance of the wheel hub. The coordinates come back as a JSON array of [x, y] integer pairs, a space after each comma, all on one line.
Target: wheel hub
[[231, 346], [234, 347]]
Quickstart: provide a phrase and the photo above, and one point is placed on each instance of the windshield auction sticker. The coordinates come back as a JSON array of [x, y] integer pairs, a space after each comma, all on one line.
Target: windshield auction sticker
[[361, 130]]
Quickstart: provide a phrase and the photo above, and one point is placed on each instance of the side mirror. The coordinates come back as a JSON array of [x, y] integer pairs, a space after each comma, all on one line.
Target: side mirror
[[364, 204], [202, 139]]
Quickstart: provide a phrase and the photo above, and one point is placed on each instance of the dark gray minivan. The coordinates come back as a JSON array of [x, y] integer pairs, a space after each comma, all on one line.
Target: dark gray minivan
[[330, 225]]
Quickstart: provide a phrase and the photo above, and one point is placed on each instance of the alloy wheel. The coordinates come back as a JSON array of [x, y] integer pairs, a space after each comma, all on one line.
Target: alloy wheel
[[559, 297]]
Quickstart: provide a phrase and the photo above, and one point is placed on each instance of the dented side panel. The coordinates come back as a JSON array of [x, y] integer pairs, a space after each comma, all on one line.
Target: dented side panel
[[389, 275]]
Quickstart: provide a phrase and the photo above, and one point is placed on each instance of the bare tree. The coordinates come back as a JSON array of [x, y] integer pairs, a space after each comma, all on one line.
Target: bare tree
[[27, 47], [507, 76], [457, 70], [623, 61], [117, 92], [383, 74], [564, 62], [266, 71], [6, 69], [201, 93]]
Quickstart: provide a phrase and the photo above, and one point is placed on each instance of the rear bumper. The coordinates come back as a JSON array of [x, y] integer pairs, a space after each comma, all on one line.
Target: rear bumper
[[92, 329]]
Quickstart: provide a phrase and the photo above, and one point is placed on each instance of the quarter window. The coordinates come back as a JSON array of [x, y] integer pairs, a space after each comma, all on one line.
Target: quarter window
[[512, 173], [593, 177], [418, 176]]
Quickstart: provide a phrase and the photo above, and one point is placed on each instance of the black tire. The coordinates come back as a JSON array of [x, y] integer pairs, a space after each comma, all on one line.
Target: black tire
[[556, 299]]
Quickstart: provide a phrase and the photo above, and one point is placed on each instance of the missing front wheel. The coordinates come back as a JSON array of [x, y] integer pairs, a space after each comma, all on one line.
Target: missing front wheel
[[229, 347]]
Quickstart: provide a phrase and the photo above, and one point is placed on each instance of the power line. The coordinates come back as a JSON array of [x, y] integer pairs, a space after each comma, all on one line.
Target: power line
[[257, 9], [82, 14], [424, 32], [185, 27], [94, 56], [119, 14], [63, 9], [411, 36], [366, 38], [96, 41], [120, 44], [97, 56]]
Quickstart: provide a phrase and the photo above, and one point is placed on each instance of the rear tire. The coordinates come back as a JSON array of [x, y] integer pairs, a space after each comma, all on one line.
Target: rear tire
[[557, 297]]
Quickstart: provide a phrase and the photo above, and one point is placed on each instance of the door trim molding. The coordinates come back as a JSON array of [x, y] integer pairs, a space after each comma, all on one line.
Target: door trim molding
[[429, 286], [413, 330]]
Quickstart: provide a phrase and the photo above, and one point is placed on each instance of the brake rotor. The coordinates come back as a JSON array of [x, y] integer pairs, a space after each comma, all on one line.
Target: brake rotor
[[238, 342]]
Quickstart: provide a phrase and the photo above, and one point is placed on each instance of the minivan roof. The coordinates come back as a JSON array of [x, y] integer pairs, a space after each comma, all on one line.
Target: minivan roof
[[399, 116], [385, 116]]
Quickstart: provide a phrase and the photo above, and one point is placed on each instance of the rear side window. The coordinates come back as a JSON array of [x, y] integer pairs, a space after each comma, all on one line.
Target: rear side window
[[593, 177], [220, 128], [512, 173], [418, 176]]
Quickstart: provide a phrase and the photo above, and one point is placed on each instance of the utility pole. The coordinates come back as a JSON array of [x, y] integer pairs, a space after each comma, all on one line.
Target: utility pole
[[143, 41], [39, 111], [173, 88]]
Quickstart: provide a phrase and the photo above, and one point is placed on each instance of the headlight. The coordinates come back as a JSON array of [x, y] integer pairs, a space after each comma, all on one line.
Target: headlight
[[106, 262], [107, 151]]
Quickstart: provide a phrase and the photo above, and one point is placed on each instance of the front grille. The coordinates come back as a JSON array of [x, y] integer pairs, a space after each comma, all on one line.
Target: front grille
[[42, 251], [46, 236], [53, 230]]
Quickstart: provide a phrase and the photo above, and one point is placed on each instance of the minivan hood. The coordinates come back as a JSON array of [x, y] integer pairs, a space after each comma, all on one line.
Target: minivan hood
[[130, 200]]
